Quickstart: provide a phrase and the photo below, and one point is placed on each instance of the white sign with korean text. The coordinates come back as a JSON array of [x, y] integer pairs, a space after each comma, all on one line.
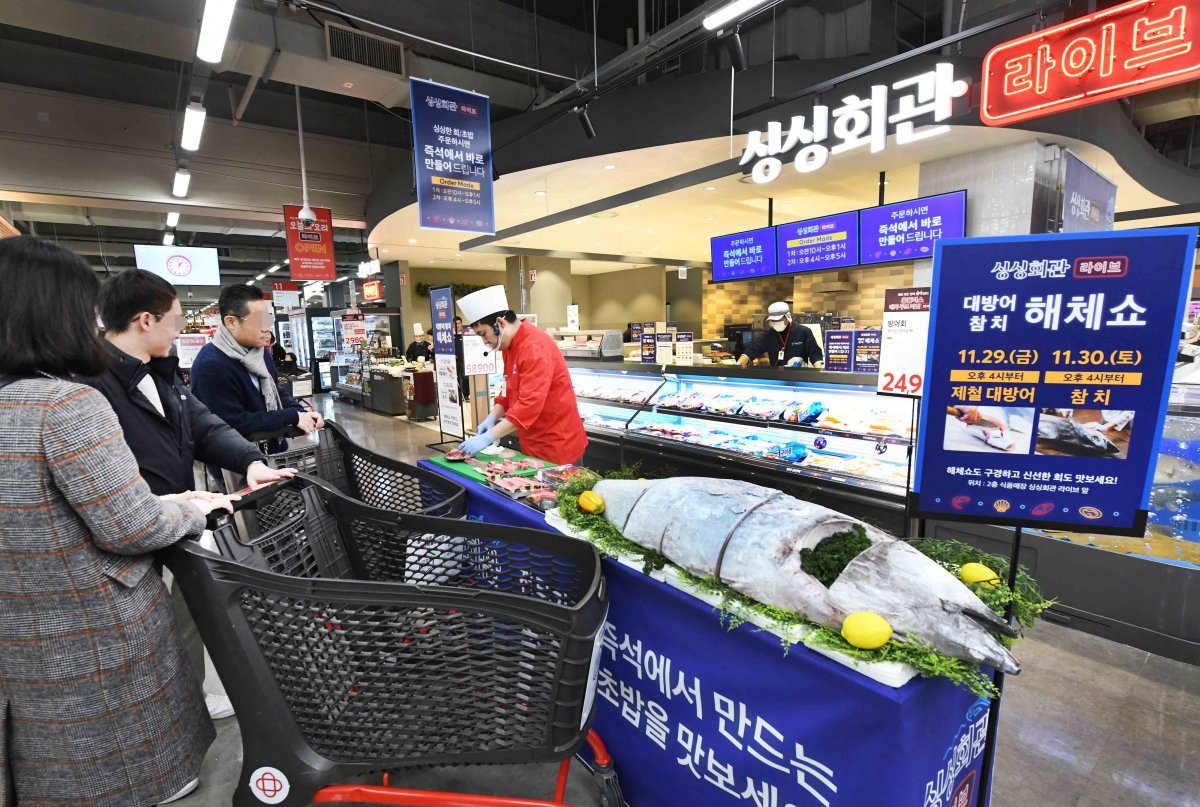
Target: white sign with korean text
[[449, 402], [572, 318], [187, 347], [684, 348], [904, 340], [664, 348], [857, 123], [477, 358]]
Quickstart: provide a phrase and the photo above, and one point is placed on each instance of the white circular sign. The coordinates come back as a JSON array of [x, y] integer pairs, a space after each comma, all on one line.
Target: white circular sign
[[179, 266], [269, 785]]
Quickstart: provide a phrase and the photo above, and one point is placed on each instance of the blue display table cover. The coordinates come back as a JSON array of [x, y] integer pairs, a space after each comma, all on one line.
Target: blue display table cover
[[696, 715]]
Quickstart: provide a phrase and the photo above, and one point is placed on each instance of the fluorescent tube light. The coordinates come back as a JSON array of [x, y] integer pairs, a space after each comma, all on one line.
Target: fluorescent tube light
[[214, 29], [722, 16], [168, 239], [183, 178], [172, 219], [193, 126]]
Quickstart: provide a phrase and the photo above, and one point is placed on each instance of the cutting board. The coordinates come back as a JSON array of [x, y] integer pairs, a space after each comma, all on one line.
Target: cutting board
[[474, 474]]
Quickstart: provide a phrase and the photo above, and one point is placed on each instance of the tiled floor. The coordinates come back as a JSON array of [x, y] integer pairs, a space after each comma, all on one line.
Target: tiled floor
[[1088, 722]]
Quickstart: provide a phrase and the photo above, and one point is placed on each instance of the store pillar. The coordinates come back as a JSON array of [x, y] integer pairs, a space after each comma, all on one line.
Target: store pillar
[[398, 293], [541, 286]]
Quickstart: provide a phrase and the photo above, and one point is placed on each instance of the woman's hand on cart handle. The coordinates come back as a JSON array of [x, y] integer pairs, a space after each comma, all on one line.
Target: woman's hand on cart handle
[[259, 474], [204, 501]]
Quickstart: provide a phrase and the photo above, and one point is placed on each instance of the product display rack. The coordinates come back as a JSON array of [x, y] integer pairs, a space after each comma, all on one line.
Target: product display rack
[[849, 448]]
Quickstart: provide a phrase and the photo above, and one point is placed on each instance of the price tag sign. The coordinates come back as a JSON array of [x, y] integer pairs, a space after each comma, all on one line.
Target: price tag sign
[[905, 335]]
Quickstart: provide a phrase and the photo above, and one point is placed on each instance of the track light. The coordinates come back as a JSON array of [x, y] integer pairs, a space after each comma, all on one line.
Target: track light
[[737, 53], [585, 122], [725, 14], [214, 29], [183, 178], [193, 126]]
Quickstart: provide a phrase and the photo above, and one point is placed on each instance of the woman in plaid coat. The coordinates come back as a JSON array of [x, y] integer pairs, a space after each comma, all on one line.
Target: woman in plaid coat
[[98, 707]]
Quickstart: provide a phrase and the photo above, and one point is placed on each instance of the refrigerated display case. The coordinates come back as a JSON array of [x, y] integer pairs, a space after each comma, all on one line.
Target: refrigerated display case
[[301, 343], [825, 437]]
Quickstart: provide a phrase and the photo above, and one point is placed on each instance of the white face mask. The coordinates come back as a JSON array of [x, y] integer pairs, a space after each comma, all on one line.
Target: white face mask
[[779, 325]]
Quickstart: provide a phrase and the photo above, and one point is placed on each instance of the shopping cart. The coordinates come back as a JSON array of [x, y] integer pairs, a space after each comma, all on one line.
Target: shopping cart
[[368, 477], [354, 641]]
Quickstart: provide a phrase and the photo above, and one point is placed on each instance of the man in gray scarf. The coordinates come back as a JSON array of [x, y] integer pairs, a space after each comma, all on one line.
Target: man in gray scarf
[[234, 375]]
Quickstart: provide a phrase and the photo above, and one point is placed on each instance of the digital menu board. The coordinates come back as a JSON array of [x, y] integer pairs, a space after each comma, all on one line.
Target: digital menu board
[[906, 230], [829, 242], [744, 255]]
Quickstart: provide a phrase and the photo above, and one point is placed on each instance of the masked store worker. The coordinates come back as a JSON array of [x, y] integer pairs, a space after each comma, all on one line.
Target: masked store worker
[[538, 402], [784, 343]]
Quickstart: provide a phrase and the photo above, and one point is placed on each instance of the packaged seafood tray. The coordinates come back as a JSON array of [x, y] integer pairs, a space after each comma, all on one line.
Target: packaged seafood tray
[[673, 432], [803, 412], [544, 500], [671, 400], [603, 421], [693, 402], [517, 487], [762, 409], [558, 475], [723, 405]]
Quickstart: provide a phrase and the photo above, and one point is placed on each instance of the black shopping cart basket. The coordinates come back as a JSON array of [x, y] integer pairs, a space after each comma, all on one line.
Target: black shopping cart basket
[[355, 640]]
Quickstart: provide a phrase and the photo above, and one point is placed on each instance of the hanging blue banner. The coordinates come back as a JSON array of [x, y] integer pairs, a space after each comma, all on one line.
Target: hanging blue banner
[[452, 144], [1046, 384]]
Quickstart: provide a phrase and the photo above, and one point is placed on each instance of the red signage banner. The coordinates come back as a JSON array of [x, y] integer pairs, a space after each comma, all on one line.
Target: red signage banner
[[372, 290], [1124, 50], [310, 249]]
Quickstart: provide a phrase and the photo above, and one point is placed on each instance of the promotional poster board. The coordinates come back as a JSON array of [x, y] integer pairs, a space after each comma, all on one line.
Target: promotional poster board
[[180, 266], [664, 352], [441, 308], [452, 139], [685, 347], [905, 338], [310, 249], [477, 359], [866, 351], [354, 331], [839, 351], [649, 351], [187, 347], [1049, 367], [1089, 200]]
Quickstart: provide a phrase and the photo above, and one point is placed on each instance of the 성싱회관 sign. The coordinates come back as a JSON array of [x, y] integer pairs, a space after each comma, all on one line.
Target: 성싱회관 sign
[[1050, 359], [452, 141]]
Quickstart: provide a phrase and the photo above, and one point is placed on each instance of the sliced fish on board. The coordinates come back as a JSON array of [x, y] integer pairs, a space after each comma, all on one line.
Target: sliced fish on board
[[750, 538]]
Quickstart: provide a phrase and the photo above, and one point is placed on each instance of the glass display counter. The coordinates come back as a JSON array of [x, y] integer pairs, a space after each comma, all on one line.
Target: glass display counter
[[828, 433]]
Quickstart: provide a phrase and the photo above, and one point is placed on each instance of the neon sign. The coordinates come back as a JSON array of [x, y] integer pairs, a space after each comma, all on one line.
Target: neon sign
[[1125, 50]]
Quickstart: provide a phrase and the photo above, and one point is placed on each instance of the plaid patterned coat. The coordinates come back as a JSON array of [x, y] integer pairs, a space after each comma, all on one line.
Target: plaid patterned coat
[[102, 709]]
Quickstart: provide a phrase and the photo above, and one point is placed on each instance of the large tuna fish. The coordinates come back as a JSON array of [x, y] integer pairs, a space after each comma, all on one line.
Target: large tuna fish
[[750, 538]]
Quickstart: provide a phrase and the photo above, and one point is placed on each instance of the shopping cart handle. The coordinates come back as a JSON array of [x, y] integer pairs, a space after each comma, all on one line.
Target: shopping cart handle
[[248, 497], [278, 434]]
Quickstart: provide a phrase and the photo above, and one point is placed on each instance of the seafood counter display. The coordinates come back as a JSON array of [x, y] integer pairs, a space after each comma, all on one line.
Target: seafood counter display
[[828, 429]]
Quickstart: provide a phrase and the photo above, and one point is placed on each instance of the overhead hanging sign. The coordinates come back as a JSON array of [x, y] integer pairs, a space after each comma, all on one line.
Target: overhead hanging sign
[[285, 294], [905, 336], [1128, 49], [441, 311], [825, 243], [860, 122], [310, 248], [1048, 374], [452, 139], [373, 290], [180, 266], [904, 231], [741, 256], [1089, 200]]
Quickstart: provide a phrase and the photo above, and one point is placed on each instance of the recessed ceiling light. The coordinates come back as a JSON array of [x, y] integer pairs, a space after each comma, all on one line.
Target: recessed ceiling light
[[412, 240], [349, 85], [609, 166], [710, 218], [539, 193], [711, 188], [384, 252], [260, 277], [605, 214], [636, 205], [649, 229]]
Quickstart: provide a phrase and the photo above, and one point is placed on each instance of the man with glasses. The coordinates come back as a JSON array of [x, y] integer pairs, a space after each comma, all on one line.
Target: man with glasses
[[235, 376], [166, 427]]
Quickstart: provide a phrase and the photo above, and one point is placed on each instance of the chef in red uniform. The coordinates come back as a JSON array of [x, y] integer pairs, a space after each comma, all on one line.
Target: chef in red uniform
[[538, 402]]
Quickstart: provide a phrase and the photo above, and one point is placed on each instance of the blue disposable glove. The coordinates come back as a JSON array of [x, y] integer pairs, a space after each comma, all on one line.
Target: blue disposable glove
[[487, 424], [476, 444]]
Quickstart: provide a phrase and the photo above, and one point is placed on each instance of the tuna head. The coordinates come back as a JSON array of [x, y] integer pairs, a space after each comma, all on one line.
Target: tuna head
[[923, 600]]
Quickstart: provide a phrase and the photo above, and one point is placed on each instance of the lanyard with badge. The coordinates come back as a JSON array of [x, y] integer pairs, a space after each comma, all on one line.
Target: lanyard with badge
[[783, 342]]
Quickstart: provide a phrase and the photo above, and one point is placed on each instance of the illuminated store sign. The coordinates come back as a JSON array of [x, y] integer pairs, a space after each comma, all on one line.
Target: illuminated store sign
[[1125, 50], [858, 123]]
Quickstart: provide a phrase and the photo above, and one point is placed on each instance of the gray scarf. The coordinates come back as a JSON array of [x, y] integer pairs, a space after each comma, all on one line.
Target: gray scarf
[[253, 359]]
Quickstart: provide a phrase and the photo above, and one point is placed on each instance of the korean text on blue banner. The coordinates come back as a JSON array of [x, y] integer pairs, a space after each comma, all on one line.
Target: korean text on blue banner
[[1049, 366], [452, 139]]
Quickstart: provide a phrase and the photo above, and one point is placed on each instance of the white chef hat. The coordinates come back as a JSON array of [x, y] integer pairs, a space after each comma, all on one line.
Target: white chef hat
[[479, 304]]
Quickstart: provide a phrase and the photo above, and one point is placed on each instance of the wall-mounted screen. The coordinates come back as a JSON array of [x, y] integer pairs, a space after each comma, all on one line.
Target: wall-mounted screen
[[829, 242], [744, 255], [903, 231]]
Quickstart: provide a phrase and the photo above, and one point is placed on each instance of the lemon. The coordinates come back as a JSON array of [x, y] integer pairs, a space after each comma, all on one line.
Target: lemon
[[866, 630], [590, 502], [978, 573]]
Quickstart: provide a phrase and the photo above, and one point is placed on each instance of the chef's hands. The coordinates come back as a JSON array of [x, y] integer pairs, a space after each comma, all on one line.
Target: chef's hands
[[203, 501], [259, 474], [486, 425], [743, 360], [795, 361], [476, 444]]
